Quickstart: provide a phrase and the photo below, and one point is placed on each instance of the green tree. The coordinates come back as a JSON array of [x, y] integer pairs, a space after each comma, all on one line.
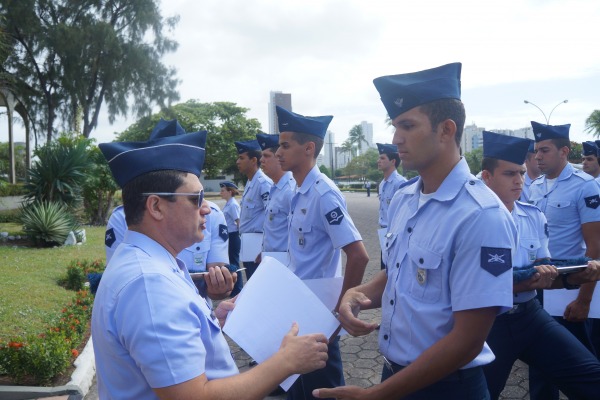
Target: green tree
[[326, 171], [357, 137], [592, 124], [575, 153], [348, 147], [364, 165], [474, 159], [74, 56], [225, 122]]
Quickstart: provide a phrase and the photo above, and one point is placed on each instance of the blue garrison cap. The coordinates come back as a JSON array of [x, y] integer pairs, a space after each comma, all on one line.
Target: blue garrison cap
[[503, 147], [531, 146], [128, 160], [400, 93], [545, 132], [590, 149], [166, 128], [267, 141], [247, 145], [292, 122], [387, 148], [228, 184]]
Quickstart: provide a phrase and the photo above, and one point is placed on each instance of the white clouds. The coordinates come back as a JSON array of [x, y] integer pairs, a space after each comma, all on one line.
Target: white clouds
[[327, 52]]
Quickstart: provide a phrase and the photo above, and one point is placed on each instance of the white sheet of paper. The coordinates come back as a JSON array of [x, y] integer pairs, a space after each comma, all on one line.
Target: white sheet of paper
[[555, 302], [266, 308], [382, 239], [251, 246], [326, 289], [281, 256]]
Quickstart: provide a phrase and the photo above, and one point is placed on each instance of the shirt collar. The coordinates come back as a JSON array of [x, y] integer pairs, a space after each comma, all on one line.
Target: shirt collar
[[309, 180], [451, 185]]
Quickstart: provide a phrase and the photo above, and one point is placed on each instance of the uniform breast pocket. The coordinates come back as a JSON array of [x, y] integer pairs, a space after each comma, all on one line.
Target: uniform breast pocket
[[272, 214], [426, 274], [561, 211], [530, 247], [301, 233]]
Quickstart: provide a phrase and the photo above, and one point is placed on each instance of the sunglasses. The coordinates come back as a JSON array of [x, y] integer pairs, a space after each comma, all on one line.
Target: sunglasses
[[196, 198]]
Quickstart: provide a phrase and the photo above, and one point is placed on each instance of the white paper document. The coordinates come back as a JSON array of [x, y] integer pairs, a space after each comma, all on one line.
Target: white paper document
[[251, 246], [556, 300], [281, 256], [268, 305]]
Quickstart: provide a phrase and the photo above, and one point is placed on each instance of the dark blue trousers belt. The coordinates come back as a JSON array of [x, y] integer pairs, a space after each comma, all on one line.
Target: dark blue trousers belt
[[455, 376]]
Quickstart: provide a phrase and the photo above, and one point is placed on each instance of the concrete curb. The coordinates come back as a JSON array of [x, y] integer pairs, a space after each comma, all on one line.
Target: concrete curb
[[85, 368]]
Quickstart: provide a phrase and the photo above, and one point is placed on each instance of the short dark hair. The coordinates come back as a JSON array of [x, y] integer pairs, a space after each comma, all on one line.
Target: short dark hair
[[134, 203], [395, 157], [443, 109], [255, 154], [303, 138], [563, 142], [489, 164]]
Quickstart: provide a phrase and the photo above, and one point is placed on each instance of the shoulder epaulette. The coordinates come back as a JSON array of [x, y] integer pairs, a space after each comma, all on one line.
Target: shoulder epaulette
[[321, 186], [580, 174], [481, 194], [408, 182]]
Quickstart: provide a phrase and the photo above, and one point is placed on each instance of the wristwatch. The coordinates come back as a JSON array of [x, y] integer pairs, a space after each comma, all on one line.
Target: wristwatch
[[566, 283]]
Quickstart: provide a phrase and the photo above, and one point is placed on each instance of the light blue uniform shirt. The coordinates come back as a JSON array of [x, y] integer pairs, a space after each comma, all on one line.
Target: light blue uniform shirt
[[532, 242], [213, 248], [115, 231], [232, 212], [319, 226], [598, 180], [572, 201], [150, 327], [275, 237], [451, 254], [387, 189], [526, 189], [254, 203]]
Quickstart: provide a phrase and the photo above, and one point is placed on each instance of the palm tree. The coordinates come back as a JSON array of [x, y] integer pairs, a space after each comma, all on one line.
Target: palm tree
[[592, 124], [348, 147], [357, 136]]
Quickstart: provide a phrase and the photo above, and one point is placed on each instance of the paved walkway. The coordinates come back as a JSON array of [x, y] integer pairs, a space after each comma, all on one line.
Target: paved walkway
[[362, 361]]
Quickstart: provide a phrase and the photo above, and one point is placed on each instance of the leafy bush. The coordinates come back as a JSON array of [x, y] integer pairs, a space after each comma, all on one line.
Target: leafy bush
[[9, 189], [59, 173], [99, 189], [37, 359], [77, 272], [47, 224]]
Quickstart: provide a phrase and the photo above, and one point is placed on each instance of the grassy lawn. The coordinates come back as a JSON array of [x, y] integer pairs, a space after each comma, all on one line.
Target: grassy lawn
[[29, 294]]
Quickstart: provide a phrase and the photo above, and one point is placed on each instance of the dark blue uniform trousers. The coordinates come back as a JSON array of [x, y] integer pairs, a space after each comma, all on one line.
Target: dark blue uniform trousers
[[536, 338], [330, 376], [467, 384], [235, 244]]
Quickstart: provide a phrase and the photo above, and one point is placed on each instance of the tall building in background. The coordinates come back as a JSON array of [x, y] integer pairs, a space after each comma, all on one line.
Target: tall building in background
[[327, 155], [367, 129], [277, 99], [472, 137]]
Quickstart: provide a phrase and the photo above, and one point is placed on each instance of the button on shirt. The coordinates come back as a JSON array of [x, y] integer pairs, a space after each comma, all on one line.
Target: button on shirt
[[439, 257], [319, 226], [387, 189], [532, 240], [572, 201], [232, 212], [275, 236], [150, 328], [254, 203]]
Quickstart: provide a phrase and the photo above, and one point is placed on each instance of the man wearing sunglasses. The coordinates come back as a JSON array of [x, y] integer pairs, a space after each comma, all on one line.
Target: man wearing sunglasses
[[204, 256], [154, 337]]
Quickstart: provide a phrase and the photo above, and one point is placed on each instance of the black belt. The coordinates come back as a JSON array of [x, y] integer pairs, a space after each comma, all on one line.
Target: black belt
[[456, 375], [519, 308]]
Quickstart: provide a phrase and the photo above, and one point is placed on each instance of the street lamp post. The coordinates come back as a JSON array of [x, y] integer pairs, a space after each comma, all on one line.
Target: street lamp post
[[543, 113]]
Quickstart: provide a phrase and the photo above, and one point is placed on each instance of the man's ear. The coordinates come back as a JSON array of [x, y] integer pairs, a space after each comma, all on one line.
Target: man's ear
[[310, 148], [486, 176], [448, 128], [154, 207]]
